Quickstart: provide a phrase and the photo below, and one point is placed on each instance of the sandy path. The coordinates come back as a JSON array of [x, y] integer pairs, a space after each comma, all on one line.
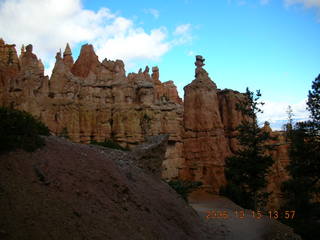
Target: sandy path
[[239, 223]]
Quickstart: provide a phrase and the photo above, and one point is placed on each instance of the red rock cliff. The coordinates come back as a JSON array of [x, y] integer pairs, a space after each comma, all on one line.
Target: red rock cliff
[[205, 145], [93, 100]]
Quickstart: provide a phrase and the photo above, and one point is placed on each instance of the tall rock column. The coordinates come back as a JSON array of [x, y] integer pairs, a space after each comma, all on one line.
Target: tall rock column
[[67, 56], [204, 143], [231, 117], [9, 68]]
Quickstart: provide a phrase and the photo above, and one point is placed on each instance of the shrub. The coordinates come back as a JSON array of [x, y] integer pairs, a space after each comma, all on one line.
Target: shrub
[[237, 194], [64, 133], [19, 129], [109, 144], [183, 188]]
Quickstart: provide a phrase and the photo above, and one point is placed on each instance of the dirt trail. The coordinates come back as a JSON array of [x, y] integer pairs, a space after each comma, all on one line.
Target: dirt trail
[[237, 223]]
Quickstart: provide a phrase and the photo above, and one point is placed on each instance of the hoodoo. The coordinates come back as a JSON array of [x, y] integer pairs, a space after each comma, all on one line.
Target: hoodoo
[[96, 101]]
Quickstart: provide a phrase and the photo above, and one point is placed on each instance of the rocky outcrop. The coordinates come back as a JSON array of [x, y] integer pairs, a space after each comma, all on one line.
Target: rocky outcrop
[[166, 91], [89, 100], [210, 121], [86, 63], [67, 56], [231, 118], [24, 83], [205, 145], [278, 173], [92, 100], [9, 68], [151, 154]]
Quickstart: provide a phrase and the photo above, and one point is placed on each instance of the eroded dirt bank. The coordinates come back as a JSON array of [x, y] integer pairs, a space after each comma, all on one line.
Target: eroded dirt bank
[[74, 191]]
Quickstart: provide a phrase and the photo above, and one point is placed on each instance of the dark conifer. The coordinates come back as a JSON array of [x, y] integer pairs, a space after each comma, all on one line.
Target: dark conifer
[[246, 171]]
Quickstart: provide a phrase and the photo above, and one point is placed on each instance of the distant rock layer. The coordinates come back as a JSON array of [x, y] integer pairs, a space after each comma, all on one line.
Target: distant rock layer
[[92, 100]]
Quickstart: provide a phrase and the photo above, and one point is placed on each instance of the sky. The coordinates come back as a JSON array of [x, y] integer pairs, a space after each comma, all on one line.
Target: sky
[[271, 45]]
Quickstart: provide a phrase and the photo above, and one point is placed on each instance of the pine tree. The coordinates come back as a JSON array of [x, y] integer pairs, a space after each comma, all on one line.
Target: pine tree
[[304, 167], [246, 171], [314, 101], [301, 190], [289, 125]]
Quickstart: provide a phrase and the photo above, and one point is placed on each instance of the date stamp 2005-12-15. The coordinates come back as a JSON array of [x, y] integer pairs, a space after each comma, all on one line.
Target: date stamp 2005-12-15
[[242, 214]]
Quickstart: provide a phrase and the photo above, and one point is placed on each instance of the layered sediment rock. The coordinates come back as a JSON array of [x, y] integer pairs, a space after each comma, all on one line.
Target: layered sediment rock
[[88, 100], [278, 173], [92, 100], [9, 68], [205, 145], [230, 116]]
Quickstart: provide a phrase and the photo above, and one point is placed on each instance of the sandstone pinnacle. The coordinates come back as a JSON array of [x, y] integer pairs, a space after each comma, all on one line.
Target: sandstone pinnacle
[[87, 61], [98, 102], [67, 56], [29, 48], [67, 51], [23, 50], [155, 74]]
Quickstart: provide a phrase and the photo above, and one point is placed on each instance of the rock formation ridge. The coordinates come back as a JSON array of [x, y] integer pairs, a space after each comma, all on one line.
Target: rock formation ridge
[[92, 100]]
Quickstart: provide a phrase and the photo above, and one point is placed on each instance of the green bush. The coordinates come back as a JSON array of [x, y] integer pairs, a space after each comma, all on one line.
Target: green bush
[[19, 129], [109, 144], [238, 195], [64, 133], [183, 188]]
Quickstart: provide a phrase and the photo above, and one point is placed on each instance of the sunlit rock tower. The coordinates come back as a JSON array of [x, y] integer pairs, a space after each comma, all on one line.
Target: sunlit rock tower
[[205, 145]]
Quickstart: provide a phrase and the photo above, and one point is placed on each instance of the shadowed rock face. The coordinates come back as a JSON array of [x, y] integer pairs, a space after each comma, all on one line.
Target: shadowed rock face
[[75, 191], [230, 116], [9, 67], [151, 154]]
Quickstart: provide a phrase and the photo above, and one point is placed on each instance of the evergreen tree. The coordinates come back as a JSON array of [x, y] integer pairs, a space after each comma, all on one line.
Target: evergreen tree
[[289, 125], [314, 101], [301, 190], [246, 171]]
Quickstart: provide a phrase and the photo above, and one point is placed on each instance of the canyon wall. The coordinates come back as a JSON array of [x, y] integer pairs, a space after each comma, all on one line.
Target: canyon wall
[[92, 101], [89, 100]]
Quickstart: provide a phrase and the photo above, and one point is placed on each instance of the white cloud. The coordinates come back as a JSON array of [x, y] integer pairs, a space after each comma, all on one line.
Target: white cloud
[[241, 2], [131, 43], [264, 2], [154, 12], [191, 53], [238, 2], [275, 112], [183, 34], [50, 24], [306, 3], [182, 29]]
